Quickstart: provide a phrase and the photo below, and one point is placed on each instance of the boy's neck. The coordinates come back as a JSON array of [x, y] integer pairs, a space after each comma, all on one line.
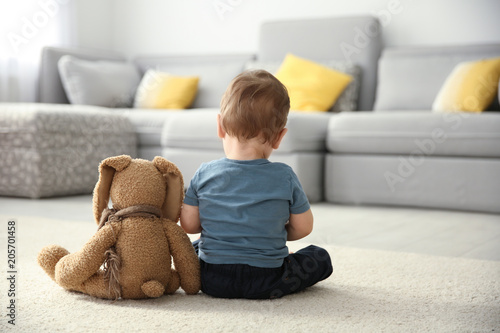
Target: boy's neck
[[251, 149]]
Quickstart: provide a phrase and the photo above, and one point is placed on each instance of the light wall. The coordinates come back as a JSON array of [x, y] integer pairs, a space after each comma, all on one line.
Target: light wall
[[92, 22], [231, 26]]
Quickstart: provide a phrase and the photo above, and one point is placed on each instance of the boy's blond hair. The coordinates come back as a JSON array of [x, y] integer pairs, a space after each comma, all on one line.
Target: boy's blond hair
[[255, 104]]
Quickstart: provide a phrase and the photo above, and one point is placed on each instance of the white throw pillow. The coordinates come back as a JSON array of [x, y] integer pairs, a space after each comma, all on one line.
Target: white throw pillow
[[101, 83]]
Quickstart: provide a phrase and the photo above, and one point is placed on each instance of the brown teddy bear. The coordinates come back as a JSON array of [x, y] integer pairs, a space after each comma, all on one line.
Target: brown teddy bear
[[134, 240]]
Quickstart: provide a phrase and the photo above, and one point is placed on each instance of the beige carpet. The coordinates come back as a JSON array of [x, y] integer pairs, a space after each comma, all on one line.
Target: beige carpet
[[369, 291]]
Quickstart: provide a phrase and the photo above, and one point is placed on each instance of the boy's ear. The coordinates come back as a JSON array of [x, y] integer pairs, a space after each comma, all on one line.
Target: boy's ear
[[280, 137], [220, 131]]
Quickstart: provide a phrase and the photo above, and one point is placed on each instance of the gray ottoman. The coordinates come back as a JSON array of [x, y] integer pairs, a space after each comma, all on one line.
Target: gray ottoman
[[55, 149]]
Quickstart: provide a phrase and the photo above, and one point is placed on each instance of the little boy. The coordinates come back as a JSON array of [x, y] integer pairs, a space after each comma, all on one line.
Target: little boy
[[247, 207]]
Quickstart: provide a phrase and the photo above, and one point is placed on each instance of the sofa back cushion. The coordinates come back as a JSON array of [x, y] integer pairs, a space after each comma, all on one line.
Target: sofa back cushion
[[410, 78], [345, 39], [215, 72]]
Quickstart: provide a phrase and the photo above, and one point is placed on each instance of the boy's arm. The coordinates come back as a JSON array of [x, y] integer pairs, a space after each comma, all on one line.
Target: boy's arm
[[190, 219], [299, 225]]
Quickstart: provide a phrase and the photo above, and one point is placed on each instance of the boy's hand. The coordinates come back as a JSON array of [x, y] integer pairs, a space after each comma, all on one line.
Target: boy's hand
[[299, 225]]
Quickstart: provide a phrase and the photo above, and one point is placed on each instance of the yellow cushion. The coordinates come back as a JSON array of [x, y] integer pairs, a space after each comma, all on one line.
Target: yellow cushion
[[159, 90], [470, 87], [311, 86]]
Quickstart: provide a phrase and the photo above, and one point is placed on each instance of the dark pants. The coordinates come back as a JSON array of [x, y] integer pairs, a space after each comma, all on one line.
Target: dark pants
[[299, 271]]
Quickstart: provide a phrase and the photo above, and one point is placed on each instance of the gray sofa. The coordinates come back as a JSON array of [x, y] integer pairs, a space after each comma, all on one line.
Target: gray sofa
[[402, 153], [366, 157]]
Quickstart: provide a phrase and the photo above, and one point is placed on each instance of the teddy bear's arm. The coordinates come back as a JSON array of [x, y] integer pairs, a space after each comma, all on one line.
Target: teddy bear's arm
[[75, 268], [185, 259]]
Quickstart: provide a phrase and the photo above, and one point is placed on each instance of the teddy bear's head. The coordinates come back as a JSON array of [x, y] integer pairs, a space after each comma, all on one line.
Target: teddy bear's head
[[131, 182]]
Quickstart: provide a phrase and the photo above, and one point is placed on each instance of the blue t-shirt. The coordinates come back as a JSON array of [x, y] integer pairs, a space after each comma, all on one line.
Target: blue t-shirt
[[244, 206]]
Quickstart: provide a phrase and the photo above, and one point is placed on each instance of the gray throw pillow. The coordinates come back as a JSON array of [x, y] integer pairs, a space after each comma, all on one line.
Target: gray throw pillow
[[101, 83], [347, 101]]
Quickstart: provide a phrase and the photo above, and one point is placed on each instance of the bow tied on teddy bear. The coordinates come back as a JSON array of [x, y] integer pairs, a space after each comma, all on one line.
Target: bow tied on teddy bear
[[130, 255]]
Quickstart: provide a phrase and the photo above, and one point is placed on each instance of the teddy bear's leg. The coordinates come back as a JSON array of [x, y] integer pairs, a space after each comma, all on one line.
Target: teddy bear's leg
[[174, 283], [185, 259], [79, 267], [49, 256], [96, 286]]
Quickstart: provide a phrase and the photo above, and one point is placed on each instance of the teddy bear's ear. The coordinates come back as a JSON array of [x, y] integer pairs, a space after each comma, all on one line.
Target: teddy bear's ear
[[107, 170], [171, 208]]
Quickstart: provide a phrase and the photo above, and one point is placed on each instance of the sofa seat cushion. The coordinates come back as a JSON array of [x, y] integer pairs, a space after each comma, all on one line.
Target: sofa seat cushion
[[197, 129], [148, 124], [415, 133], [55, 149], [459, 183]]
